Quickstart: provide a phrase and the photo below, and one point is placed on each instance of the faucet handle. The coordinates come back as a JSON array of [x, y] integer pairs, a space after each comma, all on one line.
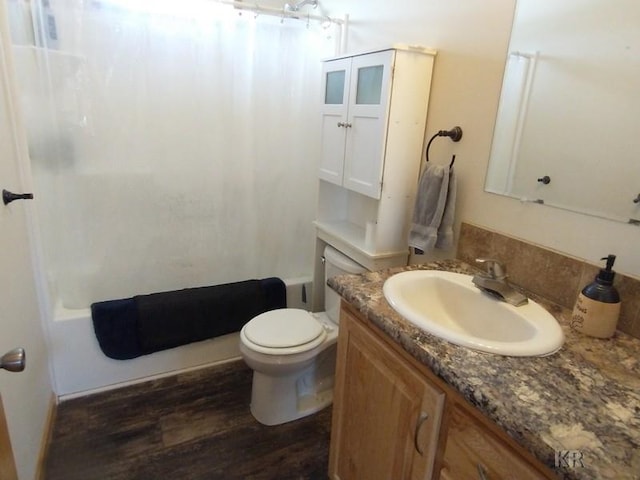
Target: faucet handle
[[494, 268]]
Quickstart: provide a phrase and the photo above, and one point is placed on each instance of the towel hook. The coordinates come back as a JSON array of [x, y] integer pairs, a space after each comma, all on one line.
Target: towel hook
[[455, 134]]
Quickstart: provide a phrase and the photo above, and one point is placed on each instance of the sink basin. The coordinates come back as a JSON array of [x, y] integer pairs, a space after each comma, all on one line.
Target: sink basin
[[449, 306]]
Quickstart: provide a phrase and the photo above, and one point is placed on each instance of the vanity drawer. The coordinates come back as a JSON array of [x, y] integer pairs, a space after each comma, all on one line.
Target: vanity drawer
[[474, 452]]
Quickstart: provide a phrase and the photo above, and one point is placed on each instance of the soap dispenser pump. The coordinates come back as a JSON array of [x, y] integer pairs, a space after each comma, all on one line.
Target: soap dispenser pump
[[598, 306]]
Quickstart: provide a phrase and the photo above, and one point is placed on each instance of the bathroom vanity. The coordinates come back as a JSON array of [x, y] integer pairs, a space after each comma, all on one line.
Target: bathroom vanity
[[409, 405]]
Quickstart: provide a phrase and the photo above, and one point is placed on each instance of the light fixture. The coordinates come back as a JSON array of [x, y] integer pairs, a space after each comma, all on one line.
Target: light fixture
[[288, 7]]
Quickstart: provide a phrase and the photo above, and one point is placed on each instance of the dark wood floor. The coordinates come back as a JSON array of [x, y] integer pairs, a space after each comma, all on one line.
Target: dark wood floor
[[195, 425]]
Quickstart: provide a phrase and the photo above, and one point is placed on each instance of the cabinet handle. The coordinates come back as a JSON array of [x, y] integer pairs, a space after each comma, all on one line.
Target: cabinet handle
[[347, 125], [482, 473], [341, 124], [423, 418]]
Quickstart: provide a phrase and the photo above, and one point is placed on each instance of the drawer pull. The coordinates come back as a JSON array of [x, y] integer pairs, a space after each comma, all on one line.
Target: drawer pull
[[423, 418], [482, 473]]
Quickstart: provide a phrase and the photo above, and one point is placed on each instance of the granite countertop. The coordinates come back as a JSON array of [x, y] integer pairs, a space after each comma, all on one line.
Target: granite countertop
[[584, 398]]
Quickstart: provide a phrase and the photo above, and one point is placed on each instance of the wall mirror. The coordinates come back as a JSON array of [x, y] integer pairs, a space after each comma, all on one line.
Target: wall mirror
[[568, 126]]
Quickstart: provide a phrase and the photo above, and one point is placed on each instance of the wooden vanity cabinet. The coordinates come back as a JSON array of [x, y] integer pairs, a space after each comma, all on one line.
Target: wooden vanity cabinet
[[386, 416], [394, 419]]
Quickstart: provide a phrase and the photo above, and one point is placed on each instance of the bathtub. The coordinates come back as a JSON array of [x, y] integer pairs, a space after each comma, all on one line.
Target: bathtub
[[80, 367]]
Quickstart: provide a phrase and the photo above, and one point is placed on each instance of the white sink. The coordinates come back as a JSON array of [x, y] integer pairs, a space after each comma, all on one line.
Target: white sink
[[449, 306]]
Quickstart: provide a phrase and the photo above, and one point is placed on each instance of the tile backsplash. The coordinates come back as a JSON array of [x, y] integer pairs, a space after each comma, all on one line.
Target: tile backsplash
[[552, 275]]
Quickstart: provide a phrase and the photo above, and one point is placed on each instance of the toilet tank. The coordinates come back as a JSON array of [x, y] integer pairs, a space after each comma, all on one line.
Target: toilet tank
[[336, 263]]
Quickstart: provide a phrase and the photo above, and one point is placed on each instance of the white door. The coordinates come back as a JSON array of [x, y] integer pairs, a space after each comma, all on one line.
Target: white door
[[366, 135], [335, 88], [26, 395], [7, 462]]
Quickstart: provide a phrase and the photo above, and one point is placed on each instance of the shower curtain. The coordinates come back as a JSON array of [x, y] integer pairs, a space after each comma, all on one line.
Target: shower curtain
[[173, 143]]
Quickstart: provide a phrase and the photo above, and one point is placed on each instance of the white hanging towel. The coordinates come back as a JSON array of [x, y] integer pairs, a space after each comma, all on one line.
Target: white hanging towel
[[433, 213]]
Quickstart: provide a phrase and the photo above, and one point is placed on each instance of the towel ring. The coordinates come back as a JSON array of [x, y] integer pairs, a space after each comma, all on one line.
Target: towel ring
[[455, 134]]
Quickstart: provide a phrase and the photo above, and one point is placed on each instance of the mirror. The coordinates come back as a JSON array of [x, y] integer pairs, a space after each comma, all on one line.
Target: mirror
[[567, 131]]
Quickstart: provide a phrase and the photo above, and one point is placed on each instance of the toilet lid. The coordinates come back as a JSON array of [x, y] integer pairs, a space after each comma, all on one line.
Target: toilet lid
[[286, 327]]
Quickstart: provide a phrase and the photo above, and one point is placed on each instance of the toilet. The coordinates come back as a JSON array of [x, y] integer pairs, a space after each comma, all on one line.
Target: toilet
[[293, 353]]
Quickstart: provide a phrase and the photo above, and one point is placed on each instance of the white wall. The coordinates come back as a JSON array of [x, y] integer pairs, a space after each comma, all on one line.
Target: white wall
[[471, 37]]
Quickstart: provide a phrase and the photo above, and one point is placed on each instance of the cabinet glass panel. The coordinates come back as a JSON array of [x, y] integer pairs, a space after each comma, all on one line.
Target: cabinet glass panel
[[369, 85], [334, 91]]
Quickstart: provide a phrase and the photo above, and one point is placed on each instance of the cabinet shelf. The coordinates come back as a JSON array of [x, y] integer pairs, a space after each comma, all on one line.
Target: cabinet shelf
[[350, 239]]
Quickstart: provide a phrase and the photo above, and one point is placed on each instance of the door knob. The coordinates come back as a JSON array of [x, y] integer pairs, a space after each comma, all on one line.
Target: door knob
[[14, 361], [8, 197]]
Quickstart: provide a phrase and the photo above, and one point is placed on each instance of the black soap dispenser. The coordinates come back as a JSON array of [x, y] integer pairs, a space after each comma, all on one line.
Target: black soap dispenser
[[598, 306]]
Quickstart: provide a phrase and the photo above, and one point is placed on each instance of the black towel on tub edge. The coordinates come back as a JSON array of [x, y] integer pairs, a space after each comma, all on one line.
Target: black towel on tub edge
[[169, 319]]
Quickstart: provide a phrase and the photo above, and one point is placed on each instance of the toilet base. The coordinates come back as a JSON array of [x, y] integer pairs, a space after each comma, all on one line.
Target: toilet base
[[282, 399]]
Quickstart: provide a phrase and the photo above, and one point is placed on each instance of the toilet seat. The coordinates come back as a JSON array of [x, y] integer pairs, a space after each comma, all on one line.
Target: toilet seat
[[284, 331]]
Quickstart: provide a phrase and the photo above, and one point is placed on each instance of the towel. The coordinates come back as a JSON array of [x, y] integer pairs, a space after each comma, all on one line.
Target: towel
[[445, 231], [131, 327], [428, 211], [170, 319], [115, 323]]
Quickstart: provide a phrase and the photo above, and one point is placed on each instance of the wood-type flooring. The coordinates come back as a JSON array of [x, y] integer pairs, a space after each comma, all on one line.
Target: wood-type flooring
[[193, 425]]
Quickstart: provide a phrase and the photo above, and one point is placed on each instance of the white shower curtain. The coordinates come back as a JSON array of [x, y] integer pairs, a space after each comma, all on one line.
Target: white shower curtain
[[171, 148]]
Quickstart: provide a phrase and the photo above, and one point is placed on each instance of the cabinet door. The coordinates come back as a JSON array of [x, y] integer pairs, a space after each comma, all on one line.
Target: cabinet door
[[336, 77], [386, 417], [366, 122], [474, 452]]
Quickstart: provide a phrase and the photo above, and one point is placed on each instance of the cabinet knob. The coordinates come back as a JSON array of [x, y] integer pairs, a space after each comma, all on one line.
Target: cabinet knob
[[347, 125], [341, 124]]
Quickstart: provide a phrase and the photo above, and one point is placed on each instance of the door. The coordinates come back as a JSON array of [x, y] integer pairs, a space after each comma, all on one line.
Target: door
[[335, 87], [386, 417], [7, 463], [367, 116], [26, 396]]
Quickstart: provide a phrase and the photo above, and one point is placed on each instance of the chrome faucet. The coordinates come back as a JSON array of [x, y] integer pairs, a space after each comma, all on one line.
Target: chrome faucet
[[495, 283]]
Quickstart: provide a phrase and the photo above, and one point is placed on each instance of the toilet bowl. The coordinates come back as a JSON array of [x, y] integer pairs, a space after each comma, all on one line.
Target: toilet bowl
[[292, 353]]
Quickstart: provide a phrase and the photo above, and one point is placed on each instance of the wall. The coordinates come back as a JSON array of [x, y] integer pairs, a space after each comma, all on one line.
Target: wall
[[471, 37]]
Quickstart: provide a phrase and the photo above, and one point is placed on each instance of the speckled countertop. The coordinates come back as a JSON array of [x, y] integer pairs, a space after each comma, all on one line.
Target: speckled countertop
[[584, 398]]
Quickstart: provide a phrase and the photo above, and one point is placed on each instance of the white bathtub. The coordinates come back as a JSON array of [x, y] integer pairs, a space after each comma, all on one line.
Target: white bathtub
[[80, 367]]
